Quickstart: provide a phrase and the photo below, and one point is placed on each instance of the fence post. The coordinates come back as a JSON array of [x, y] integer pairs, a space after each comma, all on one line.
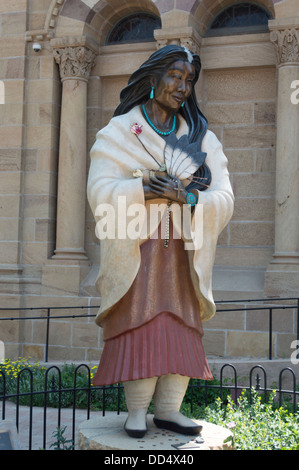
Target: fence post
[[47, 335], [270, 334]]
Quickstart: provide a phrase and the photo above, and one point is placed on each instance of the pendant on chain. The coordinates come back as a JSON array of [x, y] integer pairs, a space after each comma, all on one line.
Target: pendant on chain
[[167, 221]]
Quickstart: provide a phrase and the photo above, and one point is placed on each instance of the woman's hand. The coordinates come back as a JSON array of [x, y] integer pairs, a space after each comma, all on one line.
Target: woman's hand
[[167, 188]]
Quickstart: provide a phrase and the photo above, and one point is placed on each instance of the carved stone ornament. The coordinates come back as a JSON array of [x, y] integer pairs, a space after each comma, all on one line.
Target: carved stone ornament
[[286, 43], [75, 62], [191, 44], [182, 37], [187, 42]]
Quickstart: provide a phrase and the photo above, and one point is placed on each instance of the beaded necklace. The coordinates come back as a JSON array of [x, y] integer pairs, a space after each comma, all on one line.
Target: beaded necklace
[[154, 127], [167, 219]]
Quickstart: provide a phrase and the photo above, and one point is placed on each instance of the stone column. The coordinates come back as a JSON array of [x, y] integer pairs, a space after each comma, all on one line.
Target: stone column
[[282, 277], [75, 62]]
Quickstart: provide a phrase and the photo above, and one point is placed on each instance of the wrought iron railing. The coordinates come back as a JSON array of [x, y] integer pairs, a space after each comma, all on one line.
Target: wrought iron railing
[[267, 305], [54, 388]]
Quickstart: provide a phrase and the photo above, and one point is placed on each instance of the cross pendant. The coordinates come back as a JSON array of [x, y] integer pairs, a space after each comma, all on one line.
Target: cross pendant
[[178, 191]]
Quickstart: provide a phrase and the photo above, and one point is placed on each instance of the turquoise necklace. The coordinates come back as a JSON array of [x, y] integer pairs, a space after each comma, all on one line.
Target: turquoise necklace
[[154, 127]]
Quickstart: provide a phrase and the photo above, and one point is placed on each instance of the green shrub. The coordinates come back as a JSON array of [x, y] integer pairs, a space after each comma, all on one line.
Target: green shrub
[[256, 426], [259, 425]]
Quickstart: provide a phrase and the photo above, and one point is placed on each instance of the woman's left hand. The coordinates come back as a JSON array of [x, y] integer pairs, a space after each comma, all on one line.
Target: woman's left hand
[[168, 188]]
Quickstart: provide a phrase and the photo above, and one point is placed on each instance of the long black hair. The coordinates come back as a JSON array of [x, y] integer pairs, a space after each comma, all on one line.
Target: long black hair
[[137, 92]]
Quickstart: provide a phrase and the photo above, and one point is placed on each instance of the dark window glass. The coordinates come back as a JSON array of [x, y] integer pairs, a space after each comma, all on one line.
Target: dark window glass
[[239, 19], [134, 28]]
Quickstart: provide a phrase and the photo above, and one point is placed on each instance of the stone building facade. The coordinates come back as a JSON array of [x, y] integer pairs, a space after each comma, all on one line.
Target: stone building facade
[[58, 94]]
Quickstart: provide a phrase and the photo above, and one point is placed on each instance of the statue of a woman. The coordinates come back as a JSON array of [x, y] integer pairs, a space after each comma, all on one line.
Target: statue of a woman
[[156, 290]]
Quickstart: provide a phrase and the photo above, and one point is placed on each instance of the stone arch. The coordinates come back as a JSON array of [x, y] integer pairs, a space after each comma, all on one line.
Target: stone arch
[[93, 18], [109, 15], [207, 10]]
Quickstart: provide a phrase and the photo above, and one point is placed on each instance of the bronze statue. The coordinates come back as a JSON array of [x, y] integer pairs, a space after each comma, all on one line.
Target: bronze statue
[[157, 152]]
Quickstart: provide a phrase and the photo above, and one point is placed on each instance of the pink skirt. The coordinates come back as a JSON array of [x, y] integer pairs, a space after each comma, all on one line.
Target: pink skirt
[[165, 345]]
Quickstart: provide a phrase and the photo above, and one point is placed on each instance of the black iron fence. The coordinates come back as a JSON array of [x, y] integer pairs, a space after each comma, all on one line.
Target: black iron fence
[[268, 309], [267, 305], [78, 396], [111, 397]]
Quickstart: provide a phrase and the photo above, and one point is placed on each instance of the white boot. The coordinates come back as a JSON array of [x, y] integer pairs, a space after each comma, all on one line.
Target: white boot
[[169, 394], [138, 395]]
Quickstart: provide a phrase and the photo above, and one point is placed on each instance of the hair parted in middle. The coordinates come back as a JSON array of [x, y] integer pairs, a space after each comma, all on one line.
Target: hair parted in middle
[[139, 87]]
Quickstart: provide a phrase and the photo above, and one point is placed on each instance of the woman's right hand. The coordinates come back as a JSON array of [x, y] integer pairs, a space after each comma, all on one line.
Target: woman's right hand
[[148, 194]]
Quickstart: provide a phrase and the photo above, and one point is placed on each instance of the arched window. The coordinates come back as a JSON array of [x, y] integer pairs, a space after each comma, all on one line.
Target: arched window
[[134, 28], [240, 18]]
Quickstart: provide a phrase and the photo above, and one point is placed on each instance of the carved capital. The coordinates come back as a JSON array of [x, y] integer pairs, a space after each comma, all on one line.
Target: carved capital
[[75, 62], [286, 43], [182, 37], [191, 44]]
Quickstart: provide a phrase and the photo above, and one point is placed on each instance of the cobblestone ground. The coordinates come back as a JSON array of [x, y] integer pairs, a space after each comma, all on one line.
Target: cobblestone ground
[[22, 436]]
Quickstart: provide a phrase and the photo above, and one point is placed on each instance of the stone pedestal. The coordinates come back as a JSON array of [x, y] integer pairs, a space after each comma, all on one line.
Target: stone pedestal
[[107, 433], [63, 276]]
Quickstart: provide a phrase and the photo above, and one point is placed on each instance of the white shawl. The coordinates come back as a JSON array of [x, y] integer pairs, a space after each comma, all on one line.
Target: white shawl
[[114, 157]]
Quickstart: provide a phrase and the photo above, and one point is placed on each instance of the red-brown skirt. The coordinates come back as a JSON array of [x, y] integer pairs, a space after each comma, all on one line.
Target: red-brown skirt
[[162, 346], [156, 328]]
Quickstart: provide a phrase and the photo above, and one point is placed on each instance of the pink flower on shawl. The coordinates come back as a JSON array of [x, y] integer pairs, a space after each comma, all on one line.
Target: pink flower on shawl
[[136, 129]]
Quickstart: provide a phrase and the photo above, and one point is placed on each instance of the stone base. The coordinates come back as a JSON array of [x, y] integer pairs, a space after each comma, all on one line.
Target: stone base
[[63, 276], [107, 433]]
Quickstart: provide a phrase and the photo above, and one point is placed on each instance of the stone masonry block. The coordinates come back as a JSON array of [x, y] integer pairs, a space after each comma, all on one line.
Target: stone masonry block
[[252, 234], [225, 114], [34, 351], [12, 68], [13, 5], [265, 160], [9, 252], [241, 85], [254, 185], [10, 159], [13, 24], [240, 161], [226, 320], [247, 344], [286, 348], [265, 112], [282, 320], [9, 206], [11, 136], [9, 229], [85, 336], [12, 115], [254, 209], [13, 48], [10, 182], [251, 136], [214, 342]]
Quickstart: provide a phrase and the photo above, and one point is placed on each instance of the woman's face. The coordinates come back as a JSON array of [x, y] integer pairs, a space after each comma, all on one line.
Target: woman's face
[[175, 85]]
